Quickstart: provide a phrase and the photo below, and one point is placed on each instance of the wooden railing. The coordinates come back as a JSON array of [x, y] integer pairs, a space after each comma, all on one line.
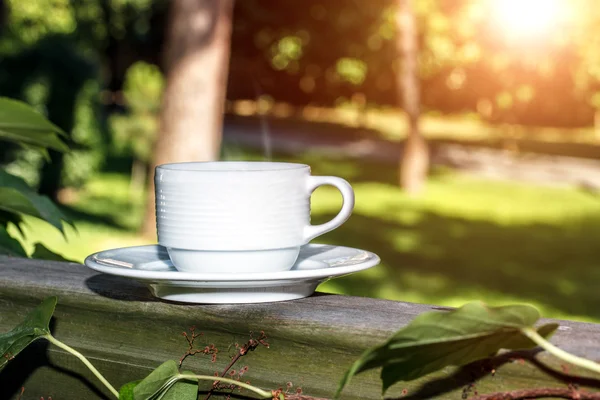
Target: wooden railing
[[126, 333]]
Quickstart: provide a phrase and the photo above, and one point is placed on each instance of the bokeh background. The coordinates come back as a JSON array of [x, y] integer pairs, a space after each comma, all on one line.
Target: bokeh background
[[470, 129]]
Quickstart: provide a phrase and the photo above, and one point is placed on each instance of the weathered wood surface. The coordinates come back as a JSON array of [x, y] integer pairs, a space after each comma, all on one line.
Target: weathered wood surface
[[126, 333]]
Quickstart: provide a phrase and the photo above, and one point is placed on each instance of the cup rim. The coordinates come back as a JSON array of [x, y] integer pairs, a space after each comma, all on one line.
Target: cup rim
[[231, 166]]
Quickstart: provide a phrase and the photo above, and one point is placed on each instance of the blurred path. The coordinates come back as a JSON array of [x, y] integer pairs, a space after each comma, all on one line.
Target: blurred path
[[286, 136]]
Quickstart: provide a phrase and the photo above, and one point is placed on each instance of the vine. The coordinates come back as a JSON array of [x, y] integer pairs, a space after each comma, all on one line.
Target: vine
[[430, 342]]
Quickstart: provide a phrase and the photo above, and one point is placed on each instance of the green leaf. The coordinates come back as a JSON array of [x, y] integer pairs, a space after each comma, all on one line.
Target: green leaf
[[35, 325], [17, 197], [41, 252], [9, 180], [10, 246], [153, 383], [156, 385], [41, 150], [20, 123], [126, 391], [12, 200], [182, 390], [435, 340], [12, 218]]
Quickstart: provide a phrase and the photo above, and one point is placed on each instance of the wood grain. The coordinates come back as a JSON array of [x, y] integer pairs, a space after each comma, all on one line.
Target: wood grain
[[126, 333]]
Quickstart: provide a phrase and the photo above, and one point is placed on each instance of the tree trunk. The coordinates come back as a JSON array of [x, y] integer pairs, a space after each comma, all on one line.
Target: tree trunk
[[597, 125], [196, 54], [414, 162]]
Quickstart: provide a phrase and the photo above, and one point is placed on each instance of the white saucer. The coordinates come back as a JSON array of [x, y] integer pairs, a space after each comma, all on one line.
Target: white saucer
[[152, 266]]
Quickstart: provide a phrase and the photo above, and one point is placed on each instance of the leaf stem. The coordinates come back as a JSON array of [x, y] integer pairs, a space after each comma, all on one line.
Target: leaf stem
[[563, 355], [262, 393], [84, 360]]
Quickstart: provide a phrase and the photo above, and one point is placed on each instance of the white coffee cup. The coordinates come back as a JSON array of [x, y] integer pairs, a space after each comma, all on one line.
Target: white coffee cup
[[216, 217]]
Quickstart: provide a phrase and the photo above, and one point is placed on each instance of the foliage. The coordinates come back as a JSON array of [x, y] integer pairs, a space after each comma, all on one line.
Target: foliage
[[34, 326], [136, 130], [91, 23], [162, 380], [166, 382], [343, 52], [43, 253], [30, 21], [143, 87], [126, 391], [88, 150], [435, 340], [471, 333], [19, 123], [59, 80], [18, 198], [62, 63], [10, 246], [466, 62]]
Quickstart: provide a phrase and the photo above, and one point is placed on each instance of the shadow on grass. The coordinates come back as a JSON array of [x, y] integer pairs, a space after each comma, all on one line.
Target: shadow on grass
[[103, 210], [440, 258], [437, 257], [76, 214]]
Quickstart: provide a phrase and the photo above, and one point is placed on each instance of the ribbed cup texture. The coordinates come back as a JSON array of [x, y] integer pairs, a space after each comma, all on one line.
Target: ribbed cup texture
[[232, 210]]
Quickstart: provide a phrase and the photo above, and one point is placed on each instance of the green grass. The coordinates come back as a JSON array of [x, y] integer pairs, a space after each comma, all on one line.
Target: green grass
[[464, 239], [468, 239]]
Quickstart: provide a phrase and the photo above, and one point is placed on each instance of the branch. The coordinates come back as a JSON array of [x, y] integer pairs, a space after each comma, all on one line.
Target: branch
[[251, 345], [540, 394], [191, 351]]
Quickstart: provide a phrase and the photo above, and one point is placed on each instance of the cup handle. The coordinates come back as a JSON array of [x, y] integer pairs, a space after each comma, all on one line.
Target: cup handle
[[312, 231]]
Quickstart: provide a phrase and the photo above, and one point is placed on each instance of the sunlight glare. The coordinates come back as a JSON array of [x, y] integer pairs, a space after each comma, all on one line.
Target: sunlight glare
[[527, 18]]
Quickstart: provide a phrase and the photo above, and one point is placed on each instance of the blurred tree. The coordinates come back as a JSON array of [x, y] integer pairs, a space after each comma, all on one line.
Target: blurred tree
[[315, 52], [53, 61], [414, 163], [3, 12], [196, 63], [343, 52], [585, 35], [134, 132], [59, 81]]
